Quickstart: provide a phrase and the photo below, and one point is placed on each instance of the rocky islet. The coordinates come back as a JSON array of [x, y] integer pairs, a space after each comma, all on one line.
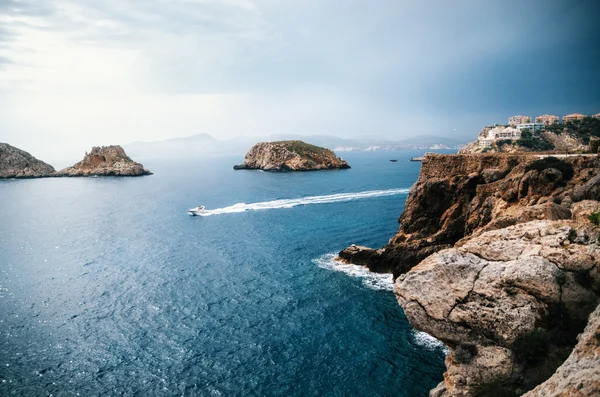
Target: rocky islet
[[290, 156], [100, 161]]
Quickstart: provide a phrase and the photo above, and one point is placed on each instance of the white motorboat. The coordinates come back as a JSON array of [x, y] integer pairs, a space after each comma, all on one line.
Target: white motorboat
[[197, 210]]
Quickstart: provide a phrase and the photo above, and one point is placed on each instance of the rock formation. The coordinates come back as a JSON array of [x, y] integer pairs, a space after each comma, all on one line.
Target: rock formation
[[456, 195], [105, 161], [579, 376], [16, 163], [509, 303], [497, 256], [290, 156]]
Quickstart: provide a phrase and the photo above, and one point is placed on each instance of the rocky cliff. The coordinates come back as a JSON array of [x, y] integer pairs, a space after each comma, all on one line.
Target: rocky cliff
[[496, 256], [105, 161], [290, 156], [456, 195], [16, 163]]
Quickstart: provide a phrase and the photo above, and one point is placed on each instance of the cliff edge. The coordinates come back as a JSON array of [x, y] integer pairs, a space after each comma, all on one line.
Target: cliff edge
[[497, 256], [105, 161], [456, 195], [290, 156], [17, 163]]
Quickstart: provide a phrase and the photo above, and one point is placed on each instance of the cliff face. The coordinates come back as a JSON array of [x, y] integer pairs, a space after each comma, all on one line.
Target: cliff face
[[497, 256], [579, 376], [16, 163], [290, 156], [105, 161], [456, 195], [509, 303]]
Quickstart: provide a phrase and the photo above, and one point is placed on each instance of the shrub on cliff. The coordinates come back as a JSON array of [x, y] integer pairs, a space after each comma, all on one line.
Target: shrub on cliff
[[552, 162], [584, 129], [502, 142], [594, 145], [595, 218], [534, 142]]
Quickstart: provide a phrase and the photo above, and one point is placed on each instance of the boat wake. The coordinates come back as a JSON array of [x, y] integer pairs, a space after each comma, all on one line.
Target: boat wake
[[290, 203]]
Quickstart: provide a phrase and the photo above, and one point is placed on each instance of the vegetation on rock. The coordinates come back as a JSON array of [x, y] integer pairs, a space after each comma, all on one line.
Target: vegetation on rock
[[552, 162], [290, 156]]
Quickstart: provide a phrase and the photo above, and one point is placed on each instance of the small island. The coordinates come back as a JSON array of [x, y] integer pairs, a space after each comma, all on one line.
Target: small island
[[105, 161], [17, 163], [290, 156]]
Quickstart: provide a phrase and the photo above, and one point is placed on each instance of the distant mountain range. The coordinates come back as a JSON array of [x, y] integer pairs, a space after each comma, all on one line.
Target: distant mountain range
[[202, 144]]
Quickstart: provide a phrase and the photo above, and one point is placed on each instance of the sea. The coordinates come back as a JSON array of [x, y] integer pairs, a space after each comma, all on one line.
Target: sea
[[109, 288]]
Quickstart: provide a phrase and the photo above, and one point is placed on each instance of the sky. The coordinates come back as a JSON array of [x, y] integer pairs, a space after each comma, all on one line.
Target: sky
[[81, 73]]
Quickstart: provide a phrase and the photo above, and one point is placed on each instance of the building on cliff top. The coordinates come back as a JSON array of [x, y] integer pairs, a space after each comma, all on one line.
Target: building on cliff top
[[547, 119], [489, 135], [531, 126], [596, 116], [515, 120], [573, 117]]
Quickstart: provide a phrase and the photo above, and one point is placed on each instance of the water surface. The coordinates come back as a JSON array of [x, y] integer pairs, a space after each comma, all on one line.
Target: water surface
[[108, 287]]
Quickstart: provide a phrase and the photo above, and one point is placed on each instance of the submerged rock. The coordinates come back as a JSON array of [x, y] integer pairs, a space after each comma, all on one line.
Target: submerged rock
[[106, 161], [290, 156], [17, 163]]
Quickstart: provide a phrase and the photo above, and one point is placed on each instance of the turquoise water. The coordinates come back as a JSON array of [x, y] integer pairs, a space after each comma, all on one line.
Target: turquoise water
[[108, 287]]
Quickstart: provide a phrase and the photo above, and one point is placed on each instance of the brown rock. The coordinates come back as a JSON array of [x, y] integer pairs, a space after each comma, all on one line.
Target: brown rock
[[106, 161], [16, 163], [579, 375], [290, 156], [497, 289]]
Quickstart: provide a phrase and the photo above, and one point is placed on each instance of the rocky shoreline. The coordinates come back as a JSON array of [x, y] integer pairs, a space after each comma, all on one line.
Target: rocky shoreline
[[100, 161], [497, 257], [290, 156]]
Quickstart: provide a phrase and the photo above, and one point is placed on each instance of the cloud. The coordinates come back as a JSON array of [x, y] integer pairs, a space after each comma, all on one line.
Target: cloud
[[90, 70]]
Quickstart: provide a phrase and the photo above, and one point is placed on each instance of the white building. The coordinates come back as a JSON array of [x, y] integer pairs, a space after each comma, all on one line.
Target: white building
[[531, 126], [489, 135]]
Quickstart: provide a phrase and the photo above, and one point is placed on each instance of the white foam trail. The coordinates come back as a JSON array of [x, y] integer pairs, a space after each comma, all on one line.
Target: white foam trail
[[289, 203], [429, 342], [378, 281]]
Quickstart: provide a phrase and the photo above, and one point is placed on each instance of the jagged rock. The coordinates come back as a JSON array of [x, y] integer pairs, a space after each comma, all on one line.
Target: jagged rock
[[16, 163], [105, 161], [579, 375], [498, 291], [290, 156], [589, 191], [363, 256], [457, 195]]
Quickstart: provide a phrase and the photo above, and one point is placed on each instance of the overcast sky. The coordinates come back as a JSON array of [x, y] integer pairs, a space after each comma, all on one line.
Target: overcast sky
[[78, 73]]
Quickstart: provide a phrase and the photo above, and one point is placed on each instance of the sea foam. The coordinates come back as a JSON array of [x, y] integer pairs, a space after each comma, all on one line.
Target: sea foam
[[290, 203], [377, 281]]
